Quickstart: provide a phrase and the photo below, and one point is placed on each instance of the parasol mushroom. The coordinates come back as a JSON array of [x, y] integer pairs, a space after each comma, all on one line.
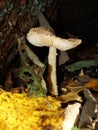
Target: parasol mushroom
[[42, 36]]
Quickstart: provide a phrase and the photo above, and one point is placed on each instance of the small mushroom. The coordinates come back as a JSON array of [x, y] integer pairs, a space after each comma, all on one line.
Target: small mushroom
[[42, 36]]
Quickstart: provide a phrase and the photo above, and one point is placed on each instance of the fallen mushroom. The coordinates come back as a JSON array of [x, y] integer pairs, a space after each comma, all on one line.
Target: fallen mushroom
[[42, 36]]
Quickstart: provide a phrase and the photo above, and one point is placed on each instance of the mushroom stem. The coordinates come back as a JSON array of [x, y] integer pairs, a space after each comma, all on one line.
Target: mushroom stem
[[52, 71]]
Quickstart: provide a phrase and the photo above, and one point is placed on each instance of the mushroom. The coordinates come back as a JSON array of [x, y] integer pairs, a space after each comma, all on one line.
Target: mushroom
[[42, 36]]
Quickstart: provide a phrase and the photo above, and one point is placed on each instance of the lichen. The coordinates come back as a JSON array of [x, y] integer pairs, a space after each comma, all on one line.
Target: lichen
[[35, 86], [39, 5]]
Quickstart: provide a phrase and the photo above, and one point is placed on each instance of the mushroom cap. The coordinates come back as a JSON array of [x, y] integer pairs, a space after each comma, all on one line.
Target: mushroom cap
[[42, 36]]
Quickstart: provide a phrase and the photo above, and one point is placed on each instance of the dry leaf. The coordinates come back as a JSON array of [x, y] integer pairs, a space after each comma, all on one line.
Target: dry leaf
[[89, 111], [8, 83], [92, 84], [71, 96]]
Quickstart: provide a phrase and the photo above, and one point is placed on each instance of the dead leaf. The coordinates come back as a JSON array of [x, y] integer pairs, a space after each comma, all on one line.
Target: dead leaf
[[75, 86], [89, 111], [71, 96], [92, 84], [8, 83], [96, 96]]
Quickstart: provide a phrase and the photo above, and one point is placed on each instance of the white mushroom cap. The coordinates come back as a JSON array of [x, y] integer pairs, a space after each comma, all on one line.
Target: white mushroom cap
[[65, 44], [42, 36]]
